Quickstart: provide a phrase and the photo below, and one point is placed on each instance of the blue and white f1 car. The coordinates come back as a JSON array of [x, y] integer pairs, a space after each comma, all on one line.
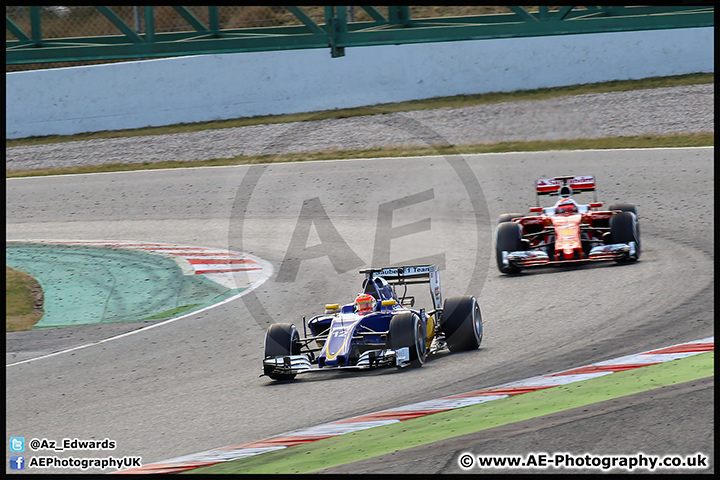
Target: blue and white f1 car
[[385, 330]]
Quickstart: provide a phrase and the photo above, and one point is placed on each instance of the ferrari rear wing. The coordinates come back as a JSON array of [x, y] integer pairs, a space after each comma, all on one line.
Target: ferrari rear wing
[[564, 186], [408, 275], [551, 186]]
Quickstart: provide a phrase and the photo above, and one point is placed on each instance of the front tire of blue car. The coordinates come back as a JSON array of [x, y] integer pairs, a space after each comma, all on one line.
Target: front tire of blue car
[[406, 330], [281, 339]]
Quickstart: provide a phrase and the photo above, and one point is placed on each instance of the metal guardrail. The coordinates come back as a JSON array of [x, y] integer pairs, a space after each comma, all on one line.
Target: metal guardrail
[[28, 42]]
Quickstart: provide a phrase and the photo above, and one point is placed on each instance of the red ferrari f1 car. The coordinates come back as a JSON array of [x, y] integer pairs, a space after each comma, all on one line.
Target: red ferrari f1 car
[[567, 232]]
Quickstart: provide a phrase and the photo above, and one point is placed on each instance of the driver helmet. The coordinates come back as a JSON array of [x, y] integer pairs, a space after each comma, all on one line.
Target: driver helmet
[[364, 303], [566, 207]]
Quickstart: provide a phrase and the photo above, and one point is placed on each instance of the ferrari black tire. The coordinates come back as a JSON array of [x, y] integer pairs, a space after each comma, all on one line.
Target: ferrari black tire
[[406, 330], [507, 217], [508, 238], [281, 339], [462, 323], [624, 228], [625, 207]]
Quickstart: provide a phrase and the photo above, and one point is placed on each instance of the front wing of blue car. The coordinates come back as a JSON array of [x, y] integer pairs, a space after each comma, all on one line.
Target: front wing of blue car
[[296, 364]]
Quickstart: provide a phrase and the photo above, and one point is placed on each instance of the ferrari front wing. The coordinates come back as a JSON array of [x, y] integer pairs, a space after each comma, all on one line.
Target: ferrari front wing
[[531, 258]]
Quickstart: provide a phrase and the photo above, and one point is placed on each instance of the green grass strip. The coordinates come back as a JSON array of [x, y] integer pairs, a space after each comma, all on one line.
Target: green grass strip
[[377, 441]]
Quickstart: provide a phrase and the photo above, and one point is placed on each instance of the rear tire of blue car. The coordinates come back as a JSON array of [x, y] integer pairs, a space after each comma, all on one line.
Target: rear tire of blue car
[[624, 228], [406, 330], [281, 339], [508, 238], [462, 323]]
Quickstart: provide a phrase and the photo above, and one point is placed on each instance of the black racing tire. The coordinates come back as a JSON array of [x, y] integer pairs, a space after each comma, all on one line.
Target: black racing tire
[[281, 339], [462, 323], [508, 238], [406, 330], [508, 217], [624, 228], [625, 207]]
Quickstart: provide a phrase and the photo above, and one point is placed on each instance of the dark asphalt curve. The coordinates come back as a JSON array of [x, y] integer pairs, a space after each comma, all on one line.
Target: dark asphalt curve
[[194, 385]]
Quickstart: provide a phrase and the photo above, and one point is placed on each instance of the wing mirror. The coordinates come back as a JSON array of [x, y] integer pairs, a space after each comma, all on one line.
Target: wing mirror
[[596, 205], [536, 209]]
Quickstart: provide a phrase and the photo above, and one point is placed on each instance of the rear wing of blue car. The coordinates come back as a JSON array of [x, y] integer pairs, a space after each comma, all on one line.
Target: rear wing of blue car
[[412, 274]]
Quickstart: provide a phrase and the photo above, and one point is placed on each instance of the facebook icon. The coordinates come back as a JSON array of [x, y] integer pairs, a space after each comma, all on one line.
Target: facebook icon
[[17, 462]]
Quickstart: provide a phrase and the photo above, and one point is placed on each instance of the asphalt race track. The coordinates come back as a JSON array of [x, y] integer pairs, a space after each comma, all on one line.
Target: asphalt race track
[[194, 385]]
